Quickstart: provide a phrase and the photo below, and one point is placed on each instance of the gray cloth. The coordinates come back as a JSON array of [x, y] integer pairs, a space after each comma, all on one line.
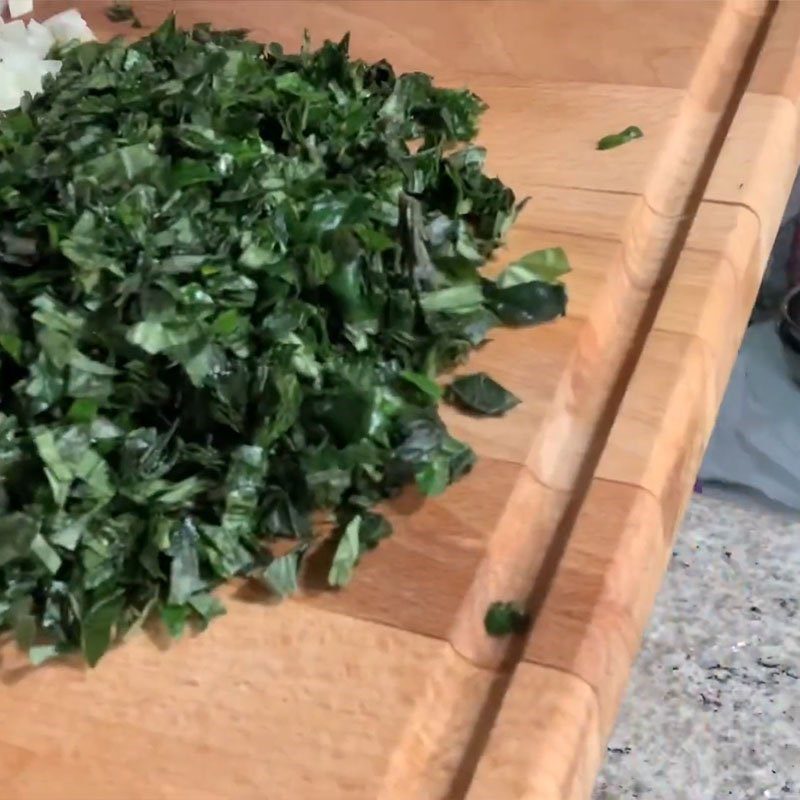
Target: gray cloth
[[756, 441], [777, 280]]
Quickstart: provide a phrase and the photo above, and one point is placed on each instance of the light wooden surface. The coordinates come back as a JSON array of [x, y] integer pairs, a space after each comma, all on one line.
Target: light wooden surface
[[391, 689]]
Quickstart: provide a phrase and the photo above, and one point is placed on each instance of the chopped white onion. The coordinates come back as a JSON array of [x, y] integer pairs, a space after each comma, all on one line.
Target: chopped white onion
[[69, 25], [16, 8], [24, 49], [10, 92], [40, 38], [14, 32]]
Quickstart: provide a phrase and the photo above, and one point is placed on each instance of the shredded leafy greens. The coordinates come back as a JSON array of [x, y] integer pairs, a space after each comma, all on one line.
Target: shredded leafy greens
[[229, 277]]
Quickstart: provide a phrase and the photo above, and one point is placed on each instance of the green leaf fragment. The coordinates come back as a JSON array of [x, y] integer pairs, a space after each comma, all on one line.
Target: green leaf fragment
[[423, 383], [434, 477], [547, 265], [184, 576], [207, 608], [616, 139], [42, 653], [280, 575], [502, 619], [45, 553], [347, 554], [97, 626], [17, 532], [175, 619], [23, 623], [480, 394]]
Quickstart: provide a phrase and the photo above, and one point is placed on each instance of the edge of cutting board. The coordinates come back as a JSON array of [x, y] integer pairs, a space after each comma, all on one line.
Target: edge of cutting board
[[590, 623]]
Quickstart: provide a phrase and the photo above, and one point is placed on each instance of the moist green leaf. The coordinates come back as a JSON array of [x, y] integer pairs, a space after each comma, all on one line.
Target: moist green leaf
[[434, 477], [616, 139], [373, 528], [12, 344], [347, 554], [23, 623], [175, 619], [527, 303], [42, 653], [423, 383], [480, 394], [280, 575], [529, 291], [97, 626], [454, 299], [17, 532], [540, 265], [45, 553], [184, 575], [207, 608], [503, 619]]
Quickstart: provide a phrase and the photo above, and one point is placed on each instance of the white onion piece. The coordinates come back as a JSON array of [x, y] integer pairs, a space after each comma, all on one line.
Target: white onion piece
[[10, 92], [14, 32], [24, 50], [16, 8], [69, 25], [39, 38]]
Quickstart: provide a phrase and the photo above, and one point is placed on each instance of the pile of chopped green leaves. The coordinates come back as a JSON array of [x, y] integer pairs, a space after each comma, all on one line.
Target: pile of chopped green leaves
[[228, 279]]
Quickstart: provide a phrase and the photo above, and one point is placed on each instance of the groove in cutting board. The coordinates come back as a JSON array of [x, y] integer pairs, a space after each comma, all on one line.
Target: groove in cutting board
[[610, 344], [489, 781], [735, 41]]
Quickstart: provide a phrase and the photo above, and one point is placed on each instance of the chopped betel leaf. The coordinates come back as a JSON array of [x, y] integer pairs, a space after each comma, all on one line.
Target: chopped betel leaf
[[616, 139], [503, 619], [347, 553], [121, 11], [480, 394], [548, 266], [280, 575], [229, 278]]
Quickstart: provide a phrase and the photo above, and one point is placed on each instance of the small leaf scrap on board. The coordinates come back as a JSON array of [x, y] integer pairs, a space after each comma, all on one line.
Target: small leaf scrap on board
[[503, 619], [616, 139], [481, 395]]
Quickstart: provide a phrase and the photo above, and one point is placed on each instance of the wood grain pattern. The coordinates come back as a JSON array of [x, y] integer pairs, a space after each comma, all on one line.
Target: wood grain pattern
[[391, 689]]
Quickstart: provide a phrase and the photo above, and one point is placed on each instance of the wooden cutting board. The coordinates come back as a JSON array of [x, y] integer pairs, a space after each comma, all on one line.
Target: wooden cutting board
[[391, 689]]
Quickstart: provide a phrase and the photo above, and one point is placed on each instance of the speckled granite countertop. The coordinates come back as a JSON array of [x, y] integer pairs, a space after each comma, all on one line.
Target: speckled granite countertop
[[713, 706]]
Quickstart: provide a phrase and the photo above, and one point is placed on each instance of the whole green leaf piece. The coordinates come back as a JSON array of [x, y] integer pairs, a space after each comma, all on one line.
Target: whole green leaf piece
[[623, 137], [504, 618], [230, 276], [481, 395]]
